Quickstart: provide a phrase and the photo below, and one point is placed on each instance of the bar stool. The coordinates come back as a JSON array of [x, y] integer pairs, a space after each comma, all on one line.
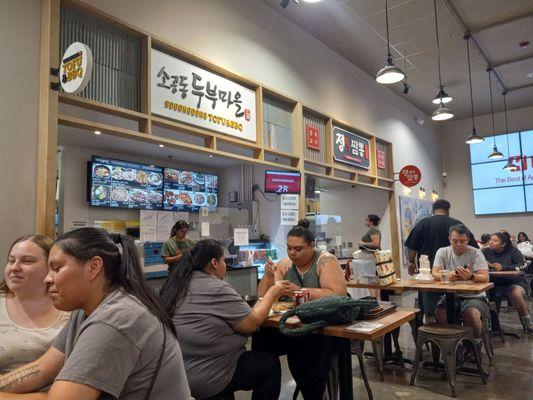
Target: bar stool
[[447, 339]]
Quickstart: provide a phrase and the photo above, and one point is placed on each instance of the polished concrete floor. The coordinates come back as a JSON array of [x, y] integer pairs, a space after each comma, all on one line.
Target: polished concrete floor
[[511, 377]]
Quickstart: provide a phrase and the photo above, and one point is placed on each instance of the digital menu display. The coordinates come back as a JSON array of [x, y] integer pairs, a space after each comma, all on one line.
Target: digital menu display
[[124, 184], [282, 182], [188, 191]]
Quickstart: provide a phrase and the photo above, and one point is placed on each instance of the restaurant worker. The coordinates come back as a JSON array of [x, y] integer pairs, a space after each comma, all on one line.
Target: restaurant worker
[[28, 319], [318, 272], [119, 340], [428, 236], [503, 256], [213, 323], [372, 238], [178, 244], [463, 263]]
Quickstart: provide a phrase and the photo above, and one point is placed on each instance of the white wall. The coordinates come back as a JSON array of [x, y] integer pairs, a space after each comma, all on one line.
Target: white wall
[[19, 101], [456, 162]]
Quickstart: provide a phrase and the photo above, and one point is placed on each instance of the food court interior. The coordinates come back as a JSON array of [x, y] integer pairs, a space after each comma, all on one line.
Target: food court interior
[[314, 117]]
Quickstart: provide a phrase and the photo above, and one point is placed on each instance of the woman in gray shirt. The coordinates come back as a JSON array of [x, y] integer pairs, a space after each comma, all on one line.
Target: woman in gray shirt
[[119, 342], [213, 322]]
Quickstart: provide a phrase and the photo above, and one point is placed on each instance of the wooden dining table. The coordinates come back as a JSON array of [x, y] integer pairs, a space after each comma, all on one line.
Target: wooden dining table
[[342, 334]]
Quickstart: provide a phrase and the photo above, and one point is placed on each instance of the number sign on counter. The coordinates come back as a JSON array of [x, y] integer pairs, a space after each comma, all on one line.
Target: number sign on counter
[[185, 92]]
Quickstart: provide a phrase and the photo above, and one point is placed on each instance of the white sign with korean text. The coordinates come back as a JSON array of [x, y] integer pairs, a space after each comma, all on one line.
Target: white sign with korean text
[[187, 93], [289, 217], [289, 201]]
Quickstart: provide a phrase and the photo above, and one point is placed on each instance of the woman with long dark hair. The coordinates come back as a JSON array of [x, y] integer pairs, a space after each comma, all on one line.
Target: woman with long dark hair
[[177, 245], [501, 255], [119, 341], [320, 274], [213, 322]]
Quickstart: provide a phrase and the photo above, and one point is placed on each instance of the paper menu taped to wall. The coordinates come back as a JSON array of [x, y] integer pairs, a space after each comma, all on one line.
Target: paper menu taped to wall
[[205, 229], [180, 215], [148, 233], [241, 237], [165, 218], [148, 218], [163, 233], [289, 217]]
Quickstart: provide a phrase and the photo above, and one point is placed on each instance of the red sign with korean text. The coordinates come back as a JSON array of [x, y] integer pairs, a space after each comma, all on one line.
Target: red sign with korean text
[[381, 159], [410, 175], [312, 135]]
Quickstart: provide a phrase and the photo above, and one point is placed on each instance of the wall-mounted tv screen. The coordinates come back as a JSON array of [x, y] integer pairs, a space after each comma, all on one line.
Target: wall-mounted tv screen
[[188, 191], [124, 184], [282, 182], [497, 190]]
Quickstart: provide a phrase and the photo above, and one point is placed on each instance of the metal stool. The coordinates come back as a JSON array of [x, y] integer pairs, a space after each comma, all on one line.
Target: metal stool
[[447, 339]]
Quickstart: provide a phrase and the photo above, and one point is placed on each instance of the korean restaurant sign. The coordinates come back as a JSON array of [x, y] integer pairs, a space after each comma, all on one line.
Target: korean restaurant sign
[[410, 175], [76, 68], [190, 94], [350, 148], [312, 135]]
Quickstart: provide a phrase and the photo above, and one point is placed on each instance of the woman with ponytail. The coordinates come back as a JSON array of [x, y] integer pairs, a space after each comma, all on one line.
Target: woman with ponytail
[[213, 323], [119, 342]]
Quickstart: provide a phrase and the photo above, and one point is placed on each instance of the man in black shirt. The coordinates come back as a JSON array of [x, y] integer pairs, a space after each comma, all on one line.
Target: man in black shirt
[[429, 235]]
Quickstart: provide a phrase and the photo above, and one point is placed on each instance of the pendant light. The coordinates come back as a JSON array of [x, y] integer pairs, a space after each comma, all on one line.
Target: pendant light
[[509, 166], [389, 73], [496, 154], [474, 137], [442, 113], [442, 97]]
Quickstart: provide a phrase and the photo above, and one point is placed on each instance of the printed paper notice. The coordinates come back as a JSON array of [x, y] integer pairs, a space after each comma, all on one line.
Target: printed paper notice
[[205, 229], [241, 237], [289, 201], [148, 233], [148, 218], [364, 326], [180, 215], [289, 217]]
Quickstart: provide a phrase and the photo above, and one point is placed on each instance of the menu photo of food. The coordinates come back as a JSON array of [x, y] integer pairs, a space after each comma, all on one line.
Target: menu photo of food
[[100, 194], [101, 171], [186, 178], [137, 198], [211, 181], [171, 175], [199, 199], [185, 198], [170, 199], [211, 200], [119, 195]]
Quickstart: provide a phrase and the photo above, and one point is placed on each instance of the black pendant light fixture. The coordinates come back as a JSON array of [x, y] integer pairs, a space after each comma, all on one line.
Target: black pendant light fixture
[[390, 73], [442, 113], [509, 166], [474, 137], [496, 154]]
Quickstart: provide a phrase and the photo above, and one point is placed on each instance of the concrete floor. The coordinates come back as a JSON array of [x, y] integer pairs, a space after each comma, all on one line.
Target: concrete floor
[[511, 377]]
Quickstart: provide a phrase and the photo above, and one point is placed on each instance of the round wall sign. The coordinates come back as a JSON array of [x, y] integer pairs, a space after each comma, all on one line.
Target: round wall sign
[[410, 175], [76, 68]]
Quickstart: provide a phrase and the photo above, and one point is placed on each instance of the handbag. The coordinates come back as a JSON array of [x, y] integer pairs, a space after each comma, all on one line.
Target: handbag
[[331, 310]]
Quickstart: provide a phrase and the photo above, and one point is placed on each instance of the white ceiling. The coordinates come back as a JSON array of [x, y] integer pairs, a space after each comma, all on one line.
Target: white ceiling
[[355, 29]]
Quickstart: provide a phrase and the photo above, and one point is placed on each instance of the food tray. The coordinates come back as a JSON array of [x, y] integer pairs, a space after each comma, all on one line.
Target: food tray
[[388, 307]]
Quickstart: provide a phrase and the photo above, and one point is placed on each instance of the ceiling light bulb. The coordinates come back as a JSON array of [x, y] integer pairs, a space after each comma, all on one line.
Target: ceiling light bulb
[[495, 155], [97, 132], [442, 97], [474, 138], [509, 166], [161, 145], [442, 114], [389, 73]]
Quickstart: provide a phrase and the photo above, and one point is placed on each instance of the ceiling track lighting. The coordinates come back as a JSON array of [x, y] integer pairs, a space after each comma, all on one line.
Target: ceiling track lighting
[[474, 137], [442, 113], [496, 154], [509, 166], [389, 73]]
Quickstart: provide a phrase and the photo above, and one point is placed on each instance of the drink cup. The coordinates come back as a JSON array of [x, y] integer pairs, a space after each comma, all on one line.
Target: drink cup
[[444, 277]]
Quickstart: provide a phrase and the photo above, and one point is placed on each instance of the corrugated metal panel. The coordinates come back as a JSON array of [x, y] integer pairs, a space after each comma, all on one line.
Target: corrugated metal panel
[[277, 125], [320, 123], [117, 58]]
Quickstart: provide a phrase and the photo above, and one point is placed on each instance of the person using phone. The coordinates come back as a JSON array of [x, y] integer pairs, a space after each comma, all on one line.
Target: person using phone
[[174, 248], [465, 263]]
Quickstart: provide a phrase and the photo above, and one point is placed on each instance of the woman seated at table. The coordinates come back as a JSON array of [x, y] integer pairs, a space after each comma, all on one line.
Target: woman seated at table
[[318, 272], [118, 341], [28, 319], [213, 322], [503, 256]]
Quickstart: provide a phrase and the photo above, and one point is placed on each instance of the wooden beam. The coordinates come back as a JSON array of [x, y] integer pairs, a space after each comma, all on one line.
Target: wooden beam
[[47, 126], [94, 105], [146, 92]]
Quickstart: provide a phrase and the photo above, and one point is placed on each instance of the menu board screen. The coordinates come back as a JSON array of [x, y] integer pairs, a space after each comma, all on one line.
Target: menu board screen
[[188, 191], [124, 184]]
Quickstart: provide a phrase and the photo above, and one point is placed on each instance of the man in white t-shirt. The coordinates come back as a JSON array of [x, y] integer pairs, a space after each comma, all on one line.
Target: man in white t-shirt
[[463, 263]]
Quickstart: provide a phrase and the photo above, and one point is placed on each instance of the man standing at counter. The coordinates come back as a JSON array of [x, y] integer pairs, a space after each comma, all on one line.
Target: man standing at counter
[[428, 236], [173, 248]]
